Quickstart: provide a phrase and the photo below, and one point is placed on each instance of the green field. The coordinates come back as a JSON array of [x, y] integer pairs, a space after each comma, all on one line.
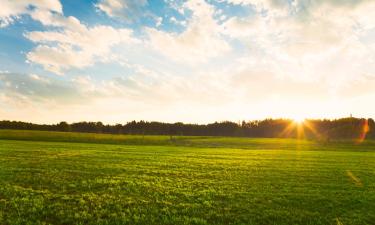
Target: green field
[[70, 178]]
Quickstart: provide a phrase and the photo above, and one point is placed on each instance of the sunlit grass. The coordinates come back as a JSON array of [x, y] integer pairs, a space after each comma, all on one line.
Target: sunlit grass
[[265, 182]]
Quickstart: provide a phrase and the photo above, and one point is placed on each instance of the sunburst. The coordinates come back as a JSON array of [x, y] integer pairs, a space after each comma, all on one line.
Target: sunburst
[[300, 126]]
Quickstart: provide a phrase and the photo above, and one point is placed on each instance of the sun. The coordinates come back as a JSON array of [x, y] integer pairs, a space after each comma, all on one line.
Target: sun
[[299, 119]]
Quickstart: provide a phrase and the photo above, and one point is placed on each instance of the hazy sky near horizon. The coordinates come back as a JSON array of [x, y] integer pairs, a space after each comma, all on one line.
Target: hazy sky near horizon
[[190, 61]]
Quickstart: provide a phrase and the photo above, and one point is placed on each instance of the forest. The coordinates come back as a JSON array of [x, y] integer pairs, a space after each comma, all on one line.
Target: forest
[[321, 129]]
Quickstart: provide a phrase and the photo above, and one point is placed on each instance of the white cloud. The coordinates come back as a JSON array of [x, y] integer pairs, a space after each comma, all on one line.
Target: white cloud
[[177, 22], [198, 42], [312, 41], [73, 44], [123, 9], [13, 9], [159, 21], [76, 46]]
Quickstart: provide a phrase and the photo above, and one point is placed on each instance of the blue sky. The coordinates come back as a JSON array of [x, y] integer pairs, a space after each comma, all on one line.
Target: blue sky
[[190, 61]]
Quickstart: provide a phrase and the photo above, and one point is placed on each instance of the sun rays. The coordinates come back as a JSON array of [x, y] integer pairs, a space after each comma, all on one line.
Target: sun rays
[[302, 128], [299, 127]]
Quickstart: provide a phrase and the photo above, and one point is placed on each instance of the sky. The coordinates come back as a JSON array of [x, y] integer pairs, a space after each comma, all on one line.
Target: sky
[[196, 61]]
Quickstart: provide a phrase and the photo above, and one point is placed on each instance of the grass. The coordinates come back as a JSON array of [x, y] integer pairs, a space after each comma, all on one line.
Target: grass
[[155, 180]]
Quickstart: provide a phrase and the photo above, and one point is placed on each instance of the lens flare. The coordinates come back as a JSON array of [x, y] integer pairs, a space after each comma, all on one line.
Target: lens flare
[[365, 128]]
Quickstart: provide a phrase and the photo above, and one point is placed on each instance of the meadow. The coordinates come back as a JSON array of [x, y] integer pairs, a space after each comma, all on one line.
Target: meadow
[[73, 178]]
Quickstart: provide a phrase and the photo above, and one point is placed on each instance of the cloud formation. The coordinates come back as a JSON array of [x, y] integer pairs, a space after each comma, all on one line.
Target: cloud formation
[[200, 40], [11, 10], [312, 40], [278, 57], [76, 46]]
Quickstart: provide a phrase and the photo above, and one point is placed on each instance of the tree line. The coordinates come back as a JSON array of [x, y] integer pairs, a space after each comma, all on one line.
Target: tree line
[[344, 128]]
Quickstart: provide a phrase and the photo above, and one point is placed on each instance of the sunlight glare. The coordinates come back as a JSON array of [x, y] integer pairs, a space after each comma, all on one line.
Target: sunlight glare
[[299, 120]]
